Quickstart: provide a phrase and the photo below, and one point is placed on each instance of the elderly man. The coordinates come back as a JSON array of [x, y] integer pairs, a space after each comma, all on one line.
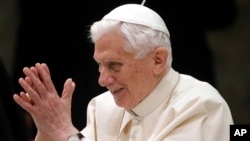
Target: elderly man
[[147, 100]]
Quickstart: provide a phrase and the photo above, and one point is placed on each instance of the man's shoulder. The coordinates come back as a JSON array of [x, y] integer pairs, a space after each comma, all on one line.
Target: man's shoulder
[[189, 82], [193, 88]]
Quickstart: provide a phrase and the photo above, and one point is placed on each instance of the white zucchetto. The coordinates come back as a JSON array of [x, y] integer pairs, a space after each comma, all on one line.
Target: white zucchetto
[[137, 14]]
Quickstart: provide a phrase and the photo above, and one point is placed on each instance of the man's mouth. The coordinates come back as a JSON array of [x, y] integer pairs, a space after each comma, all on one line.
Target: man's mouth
[[116, 91]]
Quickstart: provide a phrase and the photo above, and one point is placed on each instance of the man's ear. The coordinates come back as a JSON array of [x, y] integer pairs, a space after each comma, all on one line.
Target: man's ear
[[160, 56]]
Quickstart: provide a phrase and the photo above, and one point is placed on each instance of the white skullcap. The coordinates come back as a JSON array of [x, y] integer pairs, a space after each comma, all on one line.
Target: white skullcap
[[137, 14]]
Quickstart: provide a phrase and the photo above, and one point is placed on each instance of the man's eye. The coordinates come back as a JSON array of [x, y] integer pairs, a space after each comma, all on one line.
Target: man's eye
[[115, 66], [99, 66]]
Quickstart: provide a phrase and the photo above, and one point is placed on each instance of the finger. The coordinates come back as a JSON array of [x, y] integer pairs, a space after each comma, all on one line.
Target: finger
[[69, 87], [23, 103], [45, 77], [45, 66], [29, 89], [28, 98], [28, 80], [34, 70], [25, 96], [37, 85]]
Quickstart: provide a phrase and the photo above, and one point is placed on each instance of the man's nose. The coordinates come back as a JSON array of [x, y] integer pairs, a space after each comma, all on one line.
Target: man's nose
[[105, 78]]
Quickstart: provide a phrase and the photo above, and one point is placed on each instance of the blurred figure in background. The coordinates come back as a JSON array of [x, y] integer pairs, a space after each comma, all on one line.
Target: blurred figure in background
[[13, 122], [188, 21]]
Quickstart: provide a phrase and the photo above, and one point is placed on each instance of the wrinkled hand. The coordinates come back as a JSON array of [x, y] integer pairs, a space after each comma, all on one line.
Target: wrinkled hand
[[50, 112]]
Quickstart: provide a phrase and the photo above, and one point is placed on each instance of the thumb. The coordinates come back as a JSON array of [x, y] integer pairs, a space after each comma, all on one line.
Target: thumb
[[68, 89]]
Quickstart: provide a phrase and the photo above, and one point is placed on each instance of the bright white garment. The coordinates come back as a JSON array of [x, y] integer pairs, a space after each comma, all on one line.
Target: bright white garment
[[181, 108]]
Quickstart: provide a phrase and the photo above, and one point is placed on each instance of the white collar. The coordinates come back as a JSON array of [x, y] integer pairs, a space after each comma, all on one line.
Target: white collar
[[162, 91]]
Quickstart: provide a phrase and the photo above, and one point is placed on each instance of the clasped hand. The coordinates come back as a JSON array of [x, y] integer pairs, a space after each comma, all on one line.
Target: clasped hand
[[50, 112]]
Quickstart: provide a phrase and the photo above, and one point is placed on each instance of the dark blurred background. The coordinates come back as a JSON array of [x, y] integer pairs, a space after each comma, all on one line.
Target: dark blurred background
[[210, 40]]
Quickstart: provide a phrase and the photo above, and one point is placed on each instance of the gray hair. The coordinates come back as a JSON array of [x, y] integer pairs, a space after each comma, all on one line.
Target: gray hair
[[139, 39]]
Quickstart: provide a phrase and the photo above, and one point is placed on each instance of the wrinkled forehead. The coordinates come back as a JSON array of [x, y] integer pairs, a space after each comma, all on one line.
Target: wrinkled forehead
[[138, 14]]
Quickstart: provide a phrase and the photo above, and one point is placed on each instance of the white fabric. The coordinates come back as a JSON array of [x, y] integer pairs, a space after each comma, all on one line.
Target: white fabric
[[85, 139], [196, 112], [137, 14]]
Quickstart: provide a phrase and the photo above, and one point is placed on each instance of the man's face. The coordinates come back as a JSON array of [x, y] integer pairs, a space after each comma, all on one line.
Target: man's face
[[128, 79]]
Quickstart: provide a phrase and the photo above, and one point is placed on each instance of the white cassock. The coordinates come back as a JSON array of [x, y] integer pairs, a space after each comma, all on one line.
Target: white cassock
[[180, 108]]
